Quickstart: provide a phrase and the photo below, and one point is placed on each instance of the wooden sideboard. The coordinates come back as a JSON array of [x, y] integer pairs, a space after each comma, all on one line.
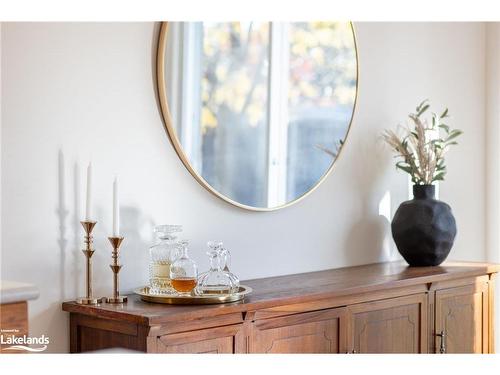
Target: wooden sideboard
[[375, 308]]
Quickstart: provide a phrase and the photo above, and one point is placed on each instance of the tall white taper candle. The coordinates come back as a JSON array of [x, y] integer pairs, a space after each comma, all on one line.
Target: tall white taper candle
[[88, 207], [116, 209]]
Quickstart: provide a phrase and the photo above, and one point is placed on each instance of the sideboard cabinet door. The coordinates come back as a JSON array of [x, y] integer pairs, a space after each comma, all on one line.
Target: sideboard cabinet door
[[312, 332], [396, 325], [462, 317], [220, 340]]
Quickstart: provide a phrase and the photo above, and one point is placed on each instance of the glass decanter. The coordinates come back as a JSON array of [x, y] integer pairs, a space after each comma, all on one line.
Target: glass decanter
[[226, 262], [184, 272], [162, 254], [216, 280]]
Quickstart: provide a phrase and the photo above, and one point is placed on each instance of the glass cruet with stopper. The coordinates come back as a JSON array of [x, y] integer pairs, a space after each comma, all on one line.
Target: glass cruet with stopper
[[216, 280], [162, 254], [184, 272], [226, 263]]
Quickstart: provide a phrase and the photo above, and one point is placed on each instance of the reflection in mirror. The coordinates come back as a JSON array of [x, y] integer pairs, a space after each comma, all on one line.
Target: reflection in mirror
[[259, 110]]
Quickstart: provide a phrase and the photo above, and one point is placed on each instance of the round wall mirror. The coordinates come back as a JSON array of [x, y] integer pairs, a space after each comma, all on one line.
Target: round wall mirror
[[258, 111]]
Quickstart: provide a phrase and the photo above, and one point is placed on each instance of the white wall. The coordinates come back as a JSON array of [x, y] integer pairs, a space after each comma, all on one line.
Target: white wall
[[1, 127], [493, 139], [86, 91], [492, 150]]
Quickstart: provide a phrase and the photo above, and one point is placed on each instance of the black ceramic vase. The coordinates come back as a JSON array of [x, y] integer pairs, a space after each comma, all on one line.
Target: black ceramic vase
[[424, 228]]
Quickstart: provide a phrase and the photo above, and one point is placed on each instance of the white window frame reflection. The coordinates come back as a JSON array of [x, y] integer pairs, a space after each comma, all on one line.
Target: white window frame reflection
[[184, 71], [279, 62]]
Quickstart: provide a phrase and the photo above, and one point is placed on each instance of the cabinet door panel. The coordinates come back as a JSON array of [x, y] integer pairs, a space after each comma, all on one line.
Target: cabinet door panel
[[214, 340], [213, 346], [397, 325], [462, 315], [312, 332]]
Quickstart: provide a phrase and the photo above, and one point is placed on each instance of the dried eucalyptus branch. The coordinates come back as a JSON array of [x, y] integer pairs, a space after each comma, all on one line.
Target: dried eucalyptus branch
[[333, 153], [421, 147]]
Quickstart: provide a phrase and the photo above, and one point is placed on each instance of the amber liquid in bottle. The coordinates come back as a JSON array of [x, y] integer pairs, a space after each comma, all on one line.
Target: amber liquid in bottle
[[184, 284]]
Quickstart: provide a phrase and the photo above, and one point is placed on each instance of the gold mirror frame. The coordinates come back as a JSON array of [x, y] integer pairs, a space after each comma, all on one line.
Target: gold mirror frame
[[170, 129]]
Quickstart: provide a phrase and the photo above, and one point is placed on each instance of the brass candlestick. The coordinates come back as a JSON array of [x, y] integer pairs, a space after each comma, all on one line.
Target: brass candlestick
[[89, 299], [115, 267]]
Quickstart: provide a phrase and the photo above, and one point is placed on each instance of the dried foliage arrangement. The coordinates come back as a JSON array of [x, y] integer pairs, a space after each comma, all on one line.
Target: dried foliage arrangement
[[421, 146]]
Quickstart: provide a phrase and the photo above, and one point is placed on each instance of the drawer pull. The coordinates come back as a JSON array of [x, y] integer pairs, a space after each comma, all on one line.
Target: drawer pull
[[442, 347]]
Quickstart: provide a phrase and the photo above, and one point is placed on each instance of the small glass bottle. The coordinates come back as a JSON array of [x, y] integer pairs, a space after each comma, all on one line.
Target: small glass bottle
[[162, 254], [184, 272], [216, 280]]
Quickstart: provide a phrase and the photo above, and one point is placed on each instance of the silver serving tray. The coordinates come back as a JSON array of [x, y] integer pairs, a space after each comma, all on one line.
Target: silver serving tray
[[193, 299]]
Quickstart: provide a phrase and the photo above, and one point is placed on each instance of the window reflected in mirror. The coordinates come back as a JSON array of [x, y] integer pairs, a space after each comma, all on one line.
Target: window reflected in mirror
[[260, 110]]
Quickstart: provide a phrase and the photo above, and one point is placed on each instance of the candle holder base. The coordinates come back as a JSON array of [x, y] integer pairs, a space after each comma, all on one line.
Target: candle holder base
[[88, 301], [119, 299]]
